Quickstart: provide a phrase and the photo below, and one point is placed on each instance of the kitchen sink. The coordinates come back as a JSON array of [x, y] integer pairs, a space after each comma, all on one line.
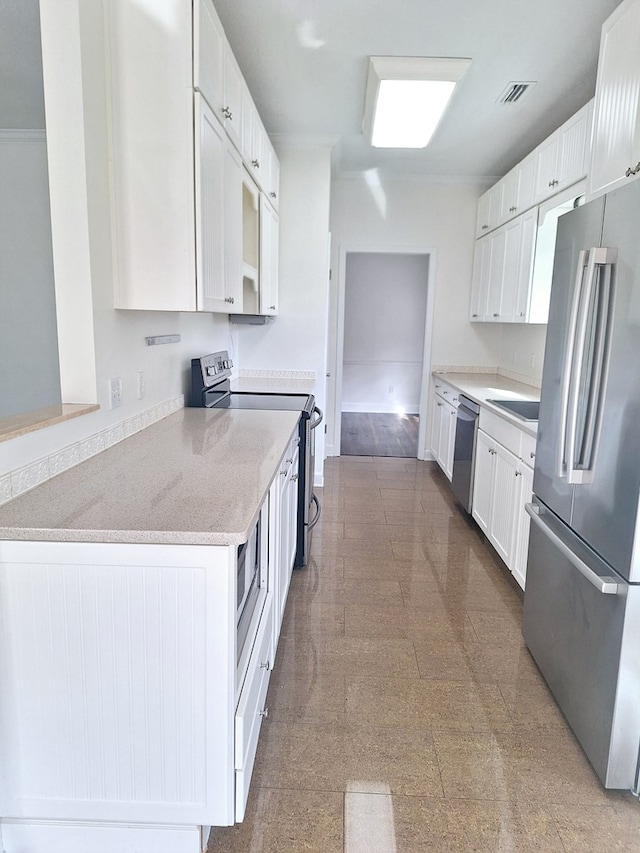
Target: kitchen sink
[[526, 410]]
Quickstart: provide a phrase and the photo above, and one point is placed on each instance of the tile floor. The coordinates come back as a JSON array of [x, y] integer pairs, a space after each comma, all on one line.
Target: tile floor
[[405, 713]]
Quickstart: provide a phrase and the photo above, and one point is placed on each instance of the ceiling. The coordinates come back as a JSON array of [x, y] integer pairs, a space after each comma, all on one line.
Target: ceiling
[[305, 62]]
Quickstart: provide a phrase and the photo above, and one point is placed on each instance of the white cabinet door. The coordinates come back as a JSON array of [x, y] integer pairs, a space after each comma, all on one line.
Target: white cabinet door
[[521, 545], [232, 230], [269, 250], [615, 149], [547, 167], [436, 423], [509, 195], [208, 55], [488, 211], [232, 108], [483, 480], [480, 279], [210, 164], [574, 142], [272, 186], [526, 179], [525, 299], [503, 496], [448, 438]]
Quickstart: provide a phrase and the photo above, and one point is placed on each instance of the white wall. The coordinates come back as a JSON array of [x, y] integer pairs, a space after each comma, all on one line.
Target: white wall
[[119, 336], [522, 350], [297, 337], [27, 294], [369, 213], [384, 323]]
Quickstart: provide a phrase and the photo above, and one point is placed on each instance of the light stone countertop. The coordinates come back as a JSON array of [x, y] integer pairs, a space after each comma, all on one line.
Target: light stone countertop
[[481, 387], [197, 477]]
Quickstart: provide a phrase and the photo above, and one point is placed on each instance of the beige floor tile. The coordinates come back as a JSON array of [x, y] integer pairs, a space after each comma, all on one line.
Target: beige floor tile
[[349, 656], [360, 515], [306, 696], [285, 822], [497, 629], [426, 704], [377, 823], [452, 662], [352, 547], [373, 568], [612, 828], [524, 766], [347, 758], [313, 616], [326, 529], [532, 707]]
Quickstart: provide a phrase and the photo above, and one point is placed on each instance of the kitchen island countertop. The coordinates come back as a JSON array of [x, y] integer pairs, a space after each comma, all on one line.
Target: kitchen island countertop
[[197, 477]]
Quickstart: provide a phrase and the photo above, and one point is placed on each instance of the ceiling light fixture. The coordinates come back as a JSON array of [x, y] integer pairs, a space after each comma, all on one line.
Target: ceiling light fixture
[[406, 98]]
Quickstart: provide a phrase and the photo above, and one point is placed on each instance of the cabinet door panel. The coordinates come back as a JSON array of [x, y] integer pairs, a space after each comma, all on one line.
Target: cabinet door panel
[[524, 281], [526, 183], [208, 67], [483, 480], [496, 274], [480, 279], [521, 546], [510, 270], [232, 110], [547, 180], [503, 512], [450, 419], [269, 248], [616, 131], [210, 145], [572, 166]]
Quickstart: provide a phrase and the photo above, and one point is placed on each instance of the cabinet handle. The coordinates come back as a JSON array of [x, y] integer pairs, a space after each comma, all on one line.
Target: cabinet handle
[[631, 171], [532, 455], [517, 473], [229, 299], [272, 307], [492, 452], [474, 315], [266, 665], [226, 112], [484, 227], [294, 478], [272, 194], [522, 314], [439, 404], [264, 714], [255, 164], [553, 183], [496, 315], [512, 208]]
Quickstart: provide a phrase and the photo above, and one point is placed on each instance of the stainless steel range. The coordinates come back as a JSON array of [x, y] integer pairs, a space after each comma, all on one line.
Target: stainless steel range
[[211, 389]]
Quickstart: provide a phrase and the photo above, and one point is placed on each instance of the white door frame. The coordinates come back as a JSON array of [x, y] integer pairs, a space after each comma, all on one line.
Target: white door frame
[[423, 451]]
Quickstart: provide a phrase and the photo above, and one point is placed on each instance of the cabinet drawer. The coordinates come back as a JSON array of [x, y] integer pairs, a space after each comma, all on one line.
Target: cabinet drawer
[[445, 391], [501, 430], [251, 707], [528, 449]]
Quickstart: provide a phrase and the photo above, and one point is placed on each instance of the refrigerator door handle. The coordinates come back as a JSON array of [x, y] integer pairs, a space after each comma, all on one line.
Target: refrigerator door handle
[[593, 314], [607, 585], [567, 370]]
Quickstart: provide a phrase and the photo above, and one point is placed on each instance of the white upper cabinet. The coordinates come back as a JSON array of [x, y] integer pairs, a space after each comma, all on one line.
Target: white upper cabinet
[[561, 160], [503, 286], [488, 211], [615, 143], [517, 189], [208, 64], [232, 108], [269, 236]]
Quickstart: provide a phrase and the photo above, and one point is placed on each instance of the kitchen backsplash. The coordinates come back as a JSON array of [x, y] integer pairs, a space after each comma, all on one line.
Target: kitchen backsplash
[[22, 479]]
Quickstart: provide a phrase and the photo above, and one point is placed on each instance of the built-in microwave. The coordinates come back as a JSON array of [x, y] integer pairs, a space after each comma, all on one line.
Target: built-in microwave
[[251, 587]]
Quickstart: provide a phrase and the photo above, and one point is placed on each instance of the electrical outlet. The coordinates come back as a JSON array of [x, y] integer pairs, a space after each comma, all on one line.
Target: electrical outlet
[[115, 392], [140, 384]]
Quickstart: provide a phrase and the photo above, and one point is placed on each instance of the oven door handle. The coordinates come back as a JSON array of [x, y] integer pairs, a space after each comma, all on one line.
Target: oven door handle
[[318, 420], [316, 517]]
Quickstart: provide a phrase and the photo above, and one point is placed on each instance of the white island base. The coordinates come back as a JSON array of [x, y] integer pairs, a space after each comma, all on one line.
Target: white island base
[[119, 693]]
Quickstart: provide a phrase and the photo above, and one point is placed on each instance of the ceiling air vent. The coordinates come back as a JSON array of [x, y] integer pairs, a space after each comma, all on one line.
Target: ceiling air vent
[[513, 92]]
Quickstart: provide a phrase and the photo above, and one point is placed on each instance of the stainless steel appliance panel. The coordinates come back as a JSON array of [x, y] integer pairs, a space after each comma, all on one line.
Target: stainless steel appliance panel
[[605, 507], [586, 642], [577, 229], [464, 451]]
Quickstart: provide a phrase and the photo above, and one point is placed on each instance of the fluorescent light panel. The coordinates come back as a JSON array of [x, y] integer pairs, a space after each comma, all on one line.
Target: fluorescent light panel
[[406, 98]]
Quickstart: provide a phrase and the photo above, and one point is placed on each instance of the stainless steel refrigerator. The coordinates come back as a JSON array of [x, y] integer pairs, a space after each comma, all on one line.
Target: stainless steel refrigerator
[[581, 618]]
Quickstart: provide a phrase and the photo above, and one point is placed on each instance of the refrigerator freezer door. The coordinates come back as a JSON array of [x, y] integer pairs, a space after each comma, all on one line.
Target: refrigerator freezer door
[[578, 230], [605, 507], [585, 642]]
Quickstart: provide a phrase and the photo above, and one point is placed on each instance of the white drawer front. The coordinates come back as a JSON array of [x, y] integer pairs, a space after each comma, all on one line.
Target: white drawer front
[[501, 430], [251, 708]]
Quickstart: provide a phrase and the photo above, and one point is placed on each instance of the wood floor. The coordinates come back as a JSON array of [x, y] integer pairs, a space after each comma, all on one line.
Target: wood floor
[[369, 434]]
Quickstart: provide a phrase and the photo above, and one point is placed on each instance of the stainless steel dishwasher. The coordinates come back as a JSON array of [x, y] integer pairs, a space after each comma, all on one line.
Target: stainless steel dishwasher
[[464, 450]]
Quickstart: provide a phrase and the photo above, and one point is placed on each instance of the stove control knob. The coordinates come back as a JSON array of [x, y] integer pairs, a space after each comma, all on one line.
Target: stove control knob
[[226, 364], [211, 371]]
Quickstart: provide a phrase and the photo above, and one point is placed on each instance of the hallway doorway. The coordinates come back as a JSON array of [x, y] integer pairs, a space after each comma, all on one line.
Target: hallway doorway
[[383, 353]]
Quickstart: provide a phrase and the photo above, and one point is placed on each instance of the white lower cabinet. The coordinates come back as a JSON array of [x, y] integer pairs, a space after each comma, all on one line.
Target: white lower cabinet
[[443, 426], [130, 721], [503, 484]]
